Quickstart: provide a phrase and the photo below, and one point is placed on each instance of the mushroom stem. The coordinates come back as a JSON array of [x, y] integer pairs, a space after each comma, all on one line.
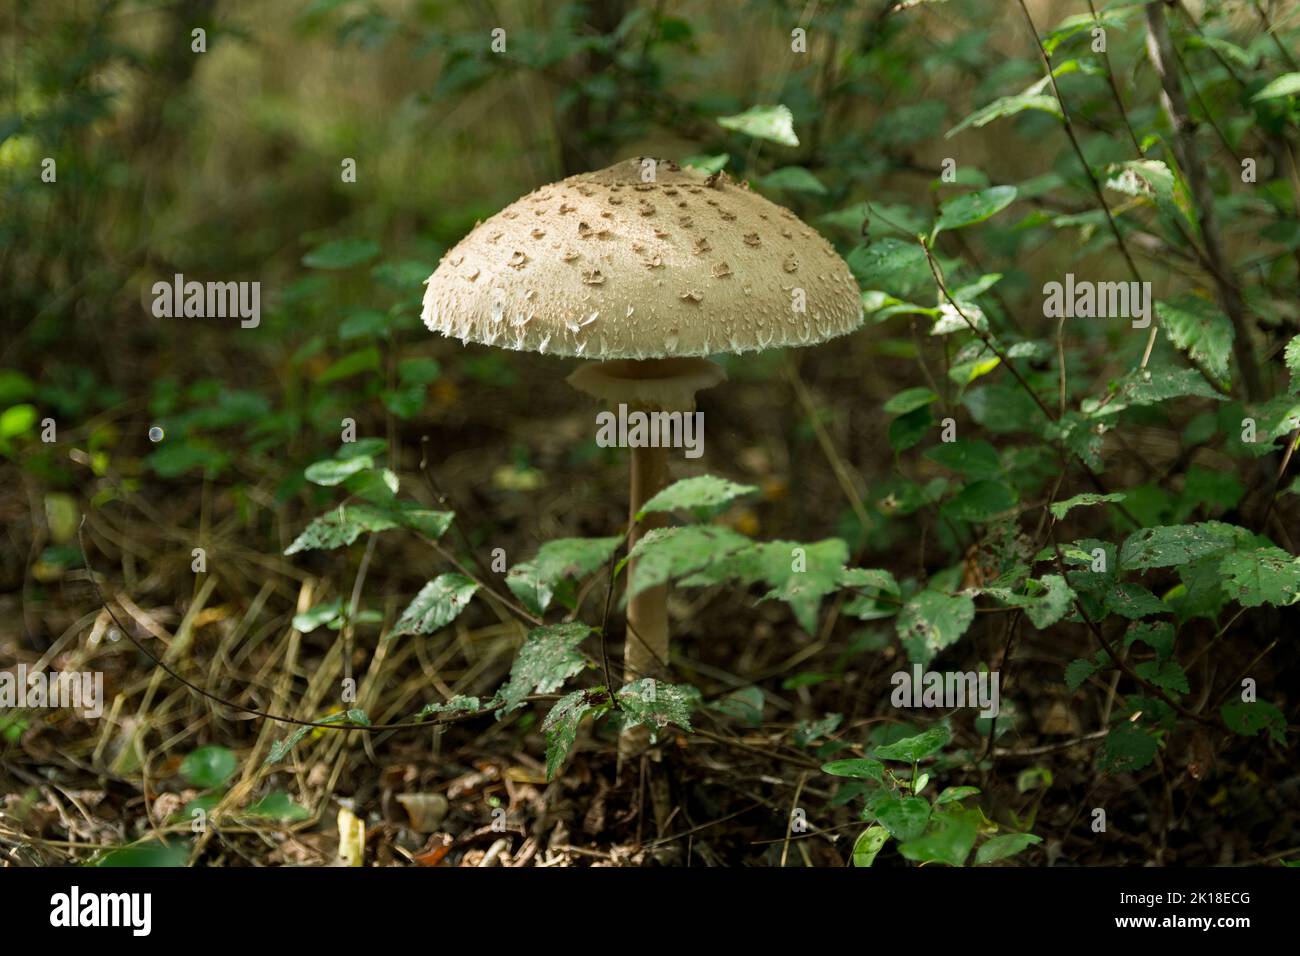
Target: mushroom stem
[[646, 653], [652, 386]]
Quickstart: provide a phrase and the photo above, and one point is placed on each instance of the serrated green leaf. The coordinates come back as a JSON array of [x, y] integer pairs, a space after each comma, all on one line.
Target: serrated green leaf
[[931, 621], [1078, 671], [1261, 576], [437, 605], [655, 704], [1166, 675], [1168, 545], [1250, 717], [1060, 509], [535, 582], [1200, 329], [703, 494], [667, 553], [1127, 748], [561, 724], [548, 657], [340, 527], [280, 748]]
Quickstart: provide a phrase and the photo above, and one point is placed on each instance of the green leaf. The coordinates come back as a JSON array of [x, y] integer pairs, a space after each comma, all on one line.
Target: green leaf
[[774, 123], [667, 553], [793, 179], [548, 658], [17, 420], [655, 704], [744, 705], [431, 524], [981, 501], [904, 817], [363, 323], [1261, 576], [354, 363], [704, 494], [1292, 356], [972, 208], [1007, 106], [278, 805], [340, 527], [1250, 717], [535, 582], [341, 254], [1200, 329], [949, 839], [145, 855], [868, 844], [1288, 84], [1127, 748], [931, 621], [1153, 387], [1046, 601], [709, 164], [973, 458], [334, 471], [418, 372], [1153, 180], [1078, 671], [318, 616], [909, 400], [1157, 635], [1133, 601], [209, 767], [864, 769], [1000, 847], [1166, 546], [561, 724], [907, 430], [457, 705], [1060, 509], [800, 574], [280, 748], [890, 265], [955, 795], [1166, 675], [912, 749], [437, 605]]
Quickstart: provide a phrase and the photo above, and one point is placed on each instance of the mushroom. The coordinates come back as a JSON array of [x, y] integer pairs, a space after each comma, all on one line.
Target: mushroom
[[607, 281]]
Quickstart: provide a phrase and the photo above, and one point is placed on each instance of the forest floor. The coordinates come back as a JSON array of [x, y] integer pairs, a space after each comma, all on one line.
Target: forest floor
[[744, 789]]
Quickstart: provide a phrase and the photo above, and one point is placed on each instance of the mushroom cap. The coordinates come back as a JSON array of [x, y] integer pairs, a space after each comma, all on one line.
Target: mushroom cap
[[643, 259]]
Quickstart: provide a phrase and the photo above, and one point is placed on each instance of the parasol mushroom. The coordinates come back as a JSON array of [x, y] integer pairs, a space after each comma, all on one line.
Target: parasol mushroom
[[646, 267]]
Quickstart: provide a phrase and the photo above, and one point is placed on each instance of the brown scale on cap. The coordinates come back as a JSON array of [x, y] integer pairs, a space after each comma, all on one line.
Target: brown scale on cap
[[649, 297]]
